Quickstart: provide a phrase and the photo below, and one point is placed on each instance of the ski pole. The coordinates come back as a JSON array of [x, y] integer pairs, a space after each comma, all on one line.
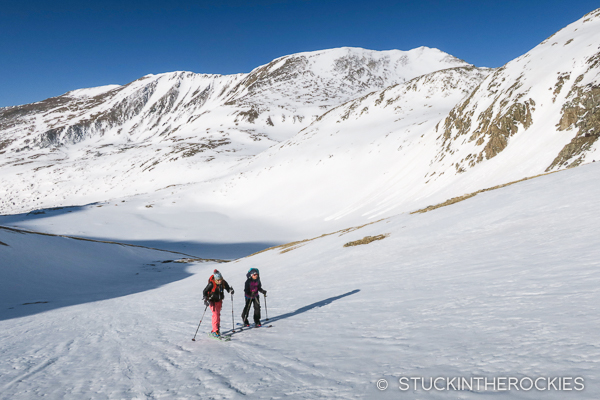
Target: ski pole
[[266, 310], [232, 319], [194, 338]]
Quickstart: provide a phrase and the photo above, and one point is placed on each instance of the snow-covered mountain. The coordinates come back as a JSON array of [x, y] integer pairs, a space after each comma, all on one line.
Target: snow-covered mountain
[[548, 98], [355, 149], [105, 142], [333, 151], [437, 136]]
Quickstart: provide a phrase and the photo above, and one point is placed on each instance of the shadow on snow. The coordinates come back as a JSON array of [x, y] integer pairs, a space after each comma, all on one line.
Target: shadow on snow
[[222, 251], [39, 298], [33, 280], [309, 307]]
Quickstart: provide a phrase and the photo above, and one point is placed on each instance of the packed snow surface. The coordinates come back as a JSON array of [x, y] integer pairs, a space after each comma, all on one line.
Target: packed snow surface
[[504, 284]]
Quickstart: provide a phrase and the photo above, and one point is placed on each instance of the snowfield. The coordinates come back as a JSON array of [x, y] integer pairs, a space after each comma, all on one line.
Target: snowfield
[[504, 284]]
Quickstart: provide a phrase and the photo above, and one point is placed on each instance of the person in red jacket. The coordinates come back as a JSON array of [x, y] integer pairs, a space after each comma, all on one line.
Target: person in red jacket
[[213, 296], [251, 290]]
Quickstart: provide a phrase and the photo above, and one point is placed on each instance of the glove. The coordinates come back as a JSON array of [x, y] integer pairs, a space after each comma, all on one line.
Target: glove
[[232, 291], [205, 301], [265, 293]]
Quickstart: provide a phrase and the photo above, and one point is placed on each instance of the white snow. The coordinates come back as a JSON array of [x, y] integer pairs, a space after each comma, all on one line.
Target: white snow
[[92, 92], [505, 284]]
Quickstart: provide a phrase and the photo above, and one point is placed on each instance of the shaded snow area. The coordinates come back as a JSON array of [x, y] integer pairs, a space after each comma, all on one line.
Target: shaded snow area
[[505, 284], [41, 272], [156, 222]]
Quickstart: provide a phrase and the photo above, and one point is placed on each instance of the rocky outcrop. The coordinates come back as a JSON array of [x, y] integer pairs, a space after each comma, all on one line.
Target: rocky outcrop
[[491, 128], [581, 113], [501, 127]]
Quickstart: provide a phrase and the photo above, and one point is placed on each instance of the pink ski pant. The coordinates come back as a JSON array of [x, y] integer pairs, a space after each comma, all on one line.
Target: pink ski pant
[[215, 307]]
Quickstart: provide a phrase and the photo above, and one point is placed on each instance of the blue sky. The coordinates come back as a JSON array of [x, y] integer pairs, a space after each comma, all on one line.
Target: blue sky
[[50, 47]]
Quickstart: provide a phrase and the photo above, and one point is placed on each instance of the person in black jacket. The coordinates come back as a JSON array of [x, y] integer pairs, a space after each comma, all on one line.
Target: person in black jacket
[[213, 295], [251, 290]]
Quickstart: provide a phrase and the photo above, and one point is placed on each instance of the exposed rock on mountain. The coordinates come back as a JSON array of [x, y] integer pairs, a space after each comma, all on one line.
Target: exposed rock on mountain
[[582, 113]]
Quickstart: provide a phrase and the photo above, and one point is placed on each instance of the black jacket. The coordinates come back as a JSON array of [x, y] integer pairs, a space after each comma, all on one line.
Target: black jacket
[[218, 293], [252, 287]]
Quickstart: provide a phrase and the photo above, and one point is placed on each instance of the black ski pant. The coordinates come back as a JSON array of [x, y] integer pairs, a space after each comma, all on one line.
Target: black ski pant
[[249, 302]]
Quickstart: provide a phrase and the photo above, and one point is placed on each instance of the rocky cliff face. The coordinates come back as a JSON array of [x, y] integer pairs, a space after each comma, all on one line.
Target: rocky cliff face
[[581, 111]]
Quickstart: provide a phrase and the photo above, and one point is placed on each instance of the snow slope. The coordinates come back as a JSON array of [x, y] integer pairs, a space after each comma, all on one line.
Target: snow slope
[[361, 147], [504, 284], [168, 222]]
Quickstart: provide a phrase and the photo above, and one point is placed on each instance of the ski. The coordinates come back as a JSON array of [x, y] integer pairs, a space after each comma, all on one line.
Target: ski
[[244, 328], [222, 338]]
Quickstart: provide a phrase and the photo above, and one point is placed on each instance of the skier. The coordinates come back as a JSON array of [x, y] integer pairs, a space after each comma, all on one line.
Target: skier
[[251, 289], [213, 296]]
